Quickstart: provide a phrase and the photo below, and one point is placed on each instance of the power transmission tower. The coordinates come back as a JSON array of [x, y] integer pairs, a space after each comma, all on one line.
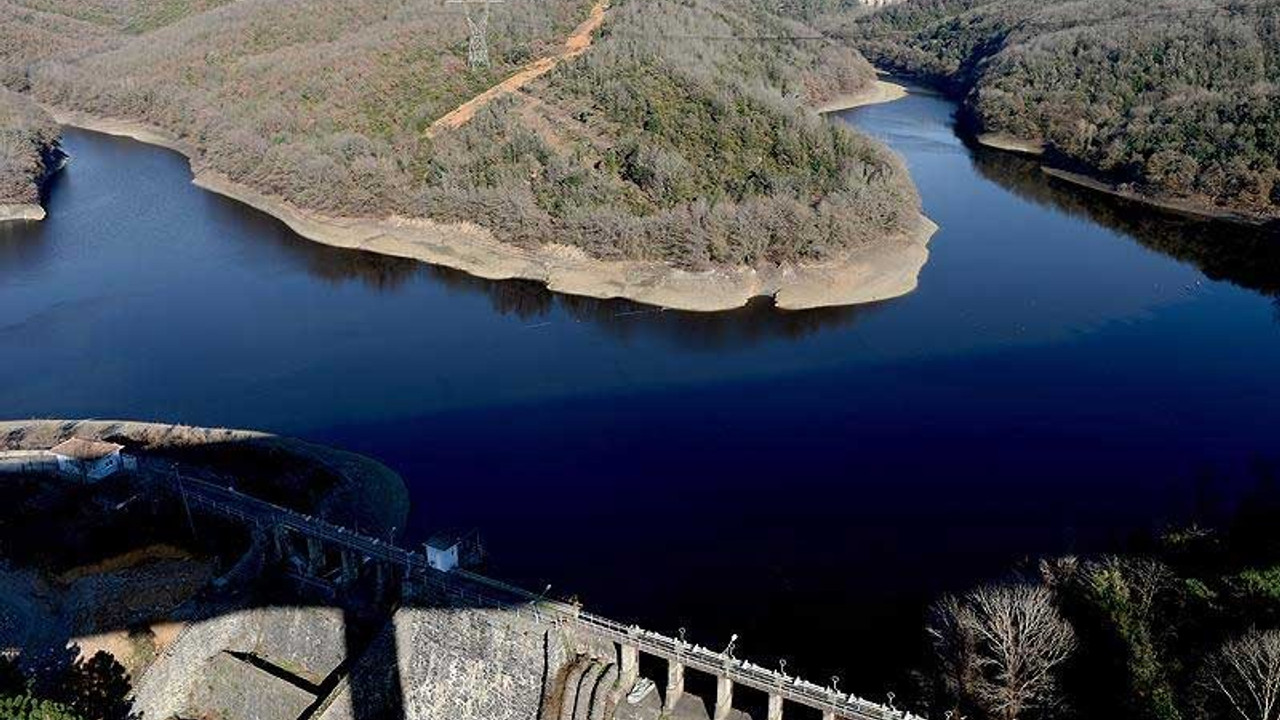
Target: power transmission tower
[[478, 48]]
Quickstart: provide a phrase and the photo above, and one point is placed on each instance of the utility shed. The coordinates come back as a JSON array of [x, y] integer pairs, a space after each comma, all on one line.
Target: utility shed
[[443, 550], [450, 549], [91, 460]]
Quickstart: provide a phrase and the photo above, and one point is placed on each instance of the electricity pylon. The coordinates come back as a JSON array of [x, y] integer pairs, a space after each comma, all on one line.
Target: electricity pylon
[[478, 48]]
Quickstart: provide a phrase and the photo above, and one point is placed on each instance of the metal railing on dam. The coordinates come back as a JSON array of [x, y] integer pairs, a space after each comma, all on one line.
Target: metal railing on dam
[[462, 585]]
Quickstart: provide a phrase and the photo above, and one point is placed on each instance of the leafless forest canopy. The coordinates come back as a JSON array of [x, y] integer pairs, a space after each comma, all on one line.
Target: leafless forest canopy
[[1179, 97], [27, 136], [679, 136]]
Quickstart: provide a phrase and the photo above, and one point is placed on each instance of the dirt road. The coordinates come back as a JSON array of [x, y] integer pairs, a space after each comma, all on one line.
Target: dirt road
[[577, 44]]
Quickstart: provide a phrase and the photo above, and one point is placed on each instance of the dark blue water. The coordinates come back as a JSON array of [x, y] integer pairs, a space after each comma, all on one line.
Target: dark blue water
[[1072, 371]]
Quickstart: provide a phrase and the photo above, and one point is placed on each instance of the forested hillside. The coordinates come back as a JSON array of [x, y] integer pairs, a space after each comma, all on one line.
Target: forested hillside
[[679, 136], [1179, 97], [28, 140], [662, 144]]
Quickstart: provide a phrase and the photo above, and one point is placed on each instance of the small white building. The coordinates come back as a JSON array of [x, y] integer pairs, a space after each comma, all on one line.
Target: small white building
[[91, 460], [443, 550]]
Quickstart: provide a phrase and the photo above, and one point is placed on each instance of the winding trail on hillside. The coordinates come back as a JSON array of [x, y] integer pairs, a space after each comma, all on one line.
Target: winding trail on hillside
[[577, 44]]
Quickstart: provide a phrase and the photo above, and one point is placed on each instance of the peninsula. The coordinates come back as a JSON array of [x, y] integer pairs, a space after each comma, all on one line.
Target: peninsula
[[604, 150]]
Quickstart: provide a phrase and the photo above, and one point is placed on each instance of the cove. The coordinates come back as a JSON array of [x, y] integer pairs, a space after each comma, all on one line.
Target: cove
[[1073, 370]]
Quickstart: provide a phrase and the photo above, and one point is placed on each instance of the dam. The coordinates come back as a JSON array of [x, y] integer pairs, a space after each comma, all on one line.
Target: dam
[[329, 556]]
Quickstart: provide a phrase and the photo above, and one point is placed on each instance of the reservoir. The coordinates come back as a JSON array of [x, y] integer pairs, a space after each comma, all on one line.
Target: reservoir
[[1073, 372]]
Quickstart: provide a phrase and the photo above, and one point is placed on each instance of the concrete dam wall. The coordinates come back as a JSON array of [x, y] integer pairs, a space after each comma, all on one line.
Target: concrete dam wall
[[427, 663], [480, 664]]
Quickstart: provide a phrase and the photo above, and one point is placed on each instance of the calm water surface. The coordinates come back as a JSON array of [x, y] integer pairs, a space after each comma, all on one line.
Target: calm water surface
[[1072, 370]]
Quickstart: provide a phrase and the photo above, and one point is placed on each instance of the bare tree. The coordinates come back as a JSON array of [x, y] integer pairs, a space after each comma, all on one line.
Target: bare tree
[[1244, 675], [1000, 649], [955, 647]]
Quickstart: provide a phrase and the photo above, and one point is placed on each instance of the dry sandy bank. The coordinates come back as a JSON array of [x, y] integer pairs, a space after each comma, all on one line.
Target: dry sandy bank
[[1178, 205], [876, 272], [21, 211], [880, 92], [1009, 143]]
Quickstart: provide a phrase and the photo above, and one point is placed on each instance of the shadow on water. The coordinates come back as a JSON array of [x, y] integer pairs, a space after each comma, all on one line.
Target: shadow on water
[[759, 321], [377, 272], [23, 244], [1242, 254]]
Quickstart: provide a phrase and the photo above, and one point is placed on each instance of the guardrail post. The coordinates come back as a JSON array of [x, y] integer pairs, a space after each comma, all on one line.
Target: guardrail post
[[675, 685], [828, 715], [775, 707], [724, 697]]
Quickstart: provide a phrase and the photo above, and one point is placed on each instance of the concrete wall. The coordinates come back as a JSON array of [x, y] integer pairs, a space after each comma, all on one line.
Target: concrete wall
[[197, 676], [27, 461], [479, 664], [473, 664], [429, 663]]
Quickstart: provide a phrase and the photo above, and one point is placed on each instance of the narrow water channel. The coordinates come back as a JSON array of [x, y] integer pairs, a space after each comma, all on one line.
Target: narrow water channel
[[1072, 370]]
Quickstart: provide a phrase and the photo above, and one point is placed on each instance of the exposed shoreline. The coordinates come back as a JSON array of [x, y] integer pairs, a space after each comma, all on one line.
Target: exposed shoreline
[[878, 271], [1011, 143], [21, 211], [1183, 207], [1036, 149], [1006, 142], [880, 92]]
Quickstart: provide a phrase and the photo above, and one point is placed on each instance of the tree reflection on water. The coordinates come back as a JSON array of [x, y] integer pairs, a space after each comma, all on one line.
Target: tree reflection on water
[[1242, 254]]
